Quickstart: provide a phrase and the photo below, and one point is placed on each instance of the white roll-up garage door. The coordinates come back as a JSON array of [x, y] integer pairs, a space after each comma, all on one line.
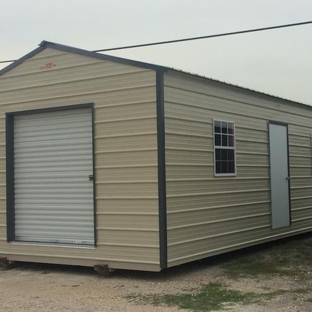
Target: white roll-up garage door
[[53, 162]]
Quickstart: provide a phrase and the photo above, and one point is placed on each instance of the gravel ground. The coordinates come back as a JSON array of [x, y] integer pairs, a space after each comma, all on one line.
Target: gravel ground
[[33, 287], [58, 288]]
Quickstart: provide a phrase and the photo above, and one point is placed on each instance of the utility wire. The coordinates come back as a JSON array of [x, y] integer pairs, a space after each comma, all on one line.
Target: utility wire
[[206, 37], [196, 38]]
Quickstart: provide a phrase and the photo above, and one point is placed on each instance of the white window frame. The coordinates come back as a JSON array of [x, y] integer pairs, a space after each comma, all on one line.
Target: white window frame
[[221, 147]]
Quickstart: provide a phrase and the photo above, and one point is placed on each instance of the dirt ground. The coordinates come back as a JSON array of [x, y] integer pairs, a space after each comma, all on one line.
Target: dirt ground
[[38, 287]]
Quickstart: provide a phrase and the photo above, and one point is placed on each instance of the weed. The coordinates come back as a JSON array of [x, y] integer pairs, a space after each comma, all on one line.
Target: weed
[[211, 297], [286, 258], [291, 259], [302, 290]]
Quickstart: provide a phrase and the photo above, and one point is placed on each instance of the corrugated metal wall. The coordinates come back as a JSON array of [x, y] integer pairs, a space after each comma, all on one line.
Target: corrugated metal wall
[[124, 99], [208, 215]]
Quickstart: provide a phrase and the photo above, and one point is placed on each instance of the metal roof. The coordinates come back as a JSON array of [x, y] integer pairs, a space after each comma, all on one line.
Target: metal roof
[[46, 44]]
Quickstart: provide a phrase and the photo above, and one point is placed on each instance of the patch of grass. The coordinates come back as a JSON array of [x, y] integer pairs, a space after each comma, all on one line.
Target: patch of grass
[[289, 258], [292, 258], [211, 297], [251, 266], [306, 290]]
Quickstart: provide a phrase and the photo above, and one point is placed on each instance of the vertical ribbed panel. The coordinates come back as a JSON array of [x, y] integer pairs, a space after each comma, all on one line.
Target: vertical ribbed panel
[[53, 161]]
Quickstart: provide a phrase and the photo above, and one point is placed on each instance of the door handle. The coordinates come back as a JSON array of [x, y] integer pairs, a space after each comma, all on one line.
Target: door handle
[[91, 177], [287, 178]]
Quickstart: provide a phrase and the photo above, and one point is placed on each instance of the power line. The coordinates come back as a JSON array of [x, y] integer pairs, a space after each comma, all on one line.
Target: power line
[[206, 37], [196, 38]]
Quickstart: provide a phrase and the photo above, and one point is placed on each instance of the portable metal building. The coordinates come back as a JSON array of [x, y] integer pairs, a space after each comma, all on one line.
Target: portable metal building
[[108, 161]]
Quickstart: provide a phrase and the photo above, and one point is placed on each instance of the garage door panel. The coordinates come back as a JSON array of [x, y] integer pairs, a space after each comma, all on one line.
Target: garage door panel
[[47, 128], [53, 160], [53, 149], [55, 165], [41, 143]]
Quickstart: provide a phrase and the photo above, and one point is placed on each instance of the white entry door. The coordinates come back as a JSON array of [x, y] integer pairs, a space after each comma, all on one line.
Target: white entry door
[[53, 194], [279, 171]]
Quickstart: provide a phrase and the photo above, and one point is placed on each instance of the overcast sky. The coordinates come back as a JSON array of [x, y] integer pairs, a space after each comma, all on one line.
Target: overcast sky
[[276, 62]]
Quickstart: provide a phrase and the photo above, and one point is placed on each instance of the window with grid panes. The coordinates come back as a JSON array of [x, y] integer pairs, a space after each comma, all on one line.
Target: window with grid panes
[[224, 147]]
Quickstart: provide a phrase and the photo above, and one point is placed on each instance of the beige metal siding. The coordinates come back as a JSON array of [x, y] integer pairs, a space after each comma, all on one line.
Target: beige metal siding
[[208, 215], [124, 100]]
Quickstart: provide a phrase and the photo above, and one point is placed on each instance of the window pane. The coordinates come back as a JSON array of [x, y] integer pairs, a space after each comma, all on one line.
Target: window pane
[[224, 140], [231, 155], [218, 167], [217, 139], [224, 154], [231, 167], [217, 127], [224, 167], [218, 154], [230, 128], [224, 127], [231, 140]]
